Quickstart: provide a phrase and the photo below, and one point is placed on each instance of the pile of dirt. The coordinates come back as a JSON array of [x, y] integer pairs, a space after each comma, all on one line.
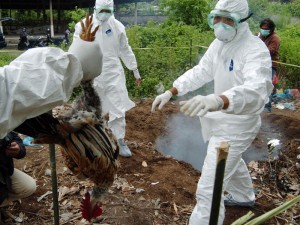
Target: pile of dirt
[[152, 188]]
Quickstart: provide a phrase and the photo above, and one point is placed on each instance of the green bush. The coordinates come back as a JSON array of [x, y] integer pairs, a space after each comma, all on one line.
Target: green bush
[[189, 12], [163, 53], [289, 53], [280, 13], [294, 7]]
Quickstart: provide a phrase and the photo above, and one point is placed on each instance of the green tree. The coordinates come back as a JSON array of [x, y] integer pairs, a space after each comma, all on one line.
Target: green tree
[[75, 16], [189, 12], [294, 8], [259, 9], [280, 13]]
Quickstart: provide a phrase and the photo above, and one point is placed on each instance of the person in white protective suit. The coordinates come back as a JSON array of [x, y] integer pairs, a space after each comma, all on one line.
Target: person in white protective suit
[[240, 66], [111, 84], [32, 84], [41, 79]]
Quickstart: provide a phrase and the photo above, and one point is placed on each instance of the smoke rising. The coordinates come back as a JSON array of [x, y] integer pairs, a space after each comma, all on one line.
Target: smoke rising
[[184, 140]]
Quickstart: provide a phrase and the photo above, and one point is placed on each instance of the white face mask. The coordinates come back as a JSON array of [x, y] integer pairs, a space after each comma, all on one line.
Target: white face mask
[[102, 17], [224, 32]]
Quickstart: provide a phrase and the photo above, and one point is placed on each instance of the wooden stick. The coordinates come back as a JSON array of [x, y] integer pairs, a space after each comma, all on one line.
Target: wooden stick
[[222, 153]]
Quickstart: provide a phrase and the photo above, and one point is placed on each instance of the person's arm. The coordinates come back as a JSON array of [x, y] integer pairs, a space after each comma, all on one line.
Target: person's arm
[[16, 149], [247, 98], [34, 83], [198, 105], [200, 74], [43, 78], [273, 45], [21, 146], [128, 57], [126, 52], [189, 81], [225, 101]]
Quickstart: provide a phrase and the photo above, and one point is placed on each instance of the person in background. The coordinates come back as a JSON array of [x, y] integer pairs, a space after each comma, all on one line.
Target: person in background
[[67, 35], [23, 41], [111, 84], [240, 66], [48, 37], [24, 35], [268, 35], [14, 184]]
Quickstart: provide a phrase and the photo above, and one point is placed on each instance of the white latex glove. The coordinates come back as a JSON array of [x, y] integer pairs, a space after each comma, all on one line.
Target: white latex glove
[[200, 105], [161, 100], [136, 74]]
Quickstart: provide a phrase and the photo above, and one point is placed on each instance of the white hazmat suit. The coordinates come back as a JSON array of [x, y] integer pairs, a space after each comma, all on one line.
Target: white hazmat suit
[[43, 78], [111, 84], [34, 83], [240, 66]]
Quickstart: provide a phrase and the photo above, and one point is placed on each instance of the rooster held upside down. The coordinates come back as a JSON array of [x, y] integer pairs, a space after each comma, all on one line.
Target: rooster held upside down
[[89, 148]]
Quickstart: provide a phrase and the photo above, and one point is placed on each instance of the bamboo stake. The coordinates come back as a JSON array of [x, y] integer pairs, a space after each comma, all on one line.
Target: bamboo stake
[[54, 182], [222, 153], [274, 212], [242, 220]]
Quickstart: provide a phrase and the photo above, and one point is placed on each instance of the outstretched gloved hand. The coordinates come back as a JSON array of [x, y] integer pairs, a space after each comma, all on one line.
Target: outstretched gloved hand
[[161, 100], [200, 105]]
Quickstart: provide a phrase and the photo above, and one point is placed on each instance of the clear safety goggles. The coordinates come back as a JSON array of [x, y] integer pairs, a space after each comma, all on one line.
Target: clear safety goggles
[[216, 16]]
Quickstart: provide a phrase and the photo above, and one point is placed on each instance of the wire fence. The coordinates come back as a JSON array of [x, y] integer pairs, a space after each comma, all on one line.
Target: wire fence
[[186, 57], [288, 73]]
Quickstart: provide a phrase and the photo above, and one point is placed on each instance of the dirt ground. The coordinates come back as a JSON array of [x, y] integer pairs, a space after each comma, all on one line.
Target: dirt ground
[[153, 189]]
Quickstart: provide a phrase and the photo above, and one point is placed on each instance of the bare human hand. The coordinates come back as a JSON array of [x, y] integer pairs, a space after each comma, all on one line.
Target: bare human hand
[[86, 34], [13, 149], [138, 82]]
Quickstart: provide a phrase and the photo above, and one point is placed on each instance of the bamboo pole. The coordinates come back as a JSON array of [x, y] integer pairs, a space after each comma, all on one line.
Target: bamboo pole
[[222, 153], [274, 212], [54, 182], [242, 220]]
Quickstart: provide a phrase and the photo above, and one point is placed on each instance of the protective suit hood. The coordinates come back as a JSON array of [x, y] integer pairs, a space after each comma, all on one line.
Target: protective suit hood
[[103, 16], [104, 4], [234, 6]]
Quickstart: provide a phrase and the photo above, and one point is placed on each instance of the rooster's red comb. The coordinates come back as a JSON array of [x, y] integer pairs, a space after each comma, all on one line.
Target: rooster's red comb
[[88, 211]]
